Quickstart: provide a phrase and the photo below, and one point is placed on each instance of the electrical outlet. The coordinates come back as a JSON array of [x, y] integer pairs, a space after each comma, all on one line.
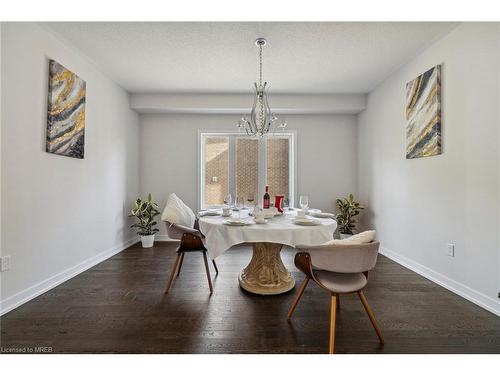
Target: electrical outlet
[[451, 250], [5, 263]]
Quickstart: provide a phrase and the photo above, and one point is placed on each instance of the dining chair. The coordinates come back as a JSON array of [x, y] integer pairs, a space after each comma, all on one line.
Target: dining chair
[[191, 241], [339, 269]]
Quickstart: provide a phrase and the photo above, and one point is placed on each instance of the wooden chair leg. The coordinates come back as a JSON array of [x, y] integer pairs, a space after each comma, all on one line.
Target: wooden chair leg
[[215, 266], [208, 272], [370, 315], [333, 312], [338, 301], [180, 265], [172, 273], [297, 297]]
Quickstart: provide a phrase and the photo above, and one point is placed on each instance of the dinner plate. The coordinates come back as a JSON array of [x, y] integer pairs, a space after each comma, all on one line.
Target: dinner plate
[[236, 223], [306, 222], [322, 215]]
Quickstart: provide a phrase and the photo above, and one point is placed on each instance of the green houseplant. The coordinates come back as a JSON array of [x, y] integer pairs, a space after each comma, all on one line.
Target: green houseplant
[[348, 209], [145, 212]]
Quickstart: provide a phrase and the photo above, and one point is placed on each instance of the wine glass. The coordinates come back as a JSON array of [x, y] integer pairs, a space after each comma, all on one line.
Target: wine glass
[[286, 204], [250, 200], [304, 202], [240, 203], [228, 200]]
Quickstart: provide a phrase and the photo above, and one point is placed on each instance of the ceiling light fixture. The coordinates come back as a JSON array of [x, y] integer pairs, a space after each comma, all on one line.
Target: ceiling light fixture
[[261, 118]]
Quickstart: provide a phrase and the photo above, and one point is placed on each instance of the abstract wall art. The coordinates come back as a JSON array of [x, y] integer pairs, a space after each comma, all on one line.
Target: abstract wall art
[[423, 114], [66, 112]]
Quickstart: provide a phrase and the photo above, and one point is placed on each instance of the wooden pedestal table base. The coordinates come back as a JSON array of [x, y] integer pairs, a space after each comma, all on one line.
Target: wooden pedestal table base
[[266, 274]]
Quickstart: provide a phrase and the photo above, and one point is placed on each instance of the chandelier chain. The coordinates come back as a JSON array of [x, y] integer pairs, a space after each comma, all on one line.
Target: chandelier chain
[[261, 102], [260, 59]]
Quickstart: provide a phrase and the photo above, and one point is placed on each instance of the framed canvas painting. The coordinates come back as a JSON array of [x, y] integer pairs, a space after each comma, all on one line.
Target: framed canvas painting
[[423, 114], [66, 112]]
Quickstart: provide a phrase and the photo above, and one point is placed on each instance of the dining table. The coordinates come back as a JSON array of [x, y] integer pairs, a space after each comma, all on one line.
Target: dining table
[[265, 274]]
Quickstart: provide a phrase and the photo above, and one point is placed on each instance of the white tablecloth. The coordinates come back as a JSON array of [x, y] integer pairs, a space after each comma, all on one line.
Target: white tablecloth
[[280, 229]]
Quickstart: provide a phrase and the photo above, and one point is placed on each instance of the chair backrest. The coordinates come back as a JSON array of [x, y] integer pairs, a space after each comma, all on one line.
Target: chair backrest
[[344, 258]]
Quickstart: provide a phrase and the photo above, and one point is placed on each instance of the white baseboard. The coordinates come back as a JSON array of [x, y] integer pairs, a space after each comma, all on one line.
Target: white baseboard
[[456, 287], [28, 294]]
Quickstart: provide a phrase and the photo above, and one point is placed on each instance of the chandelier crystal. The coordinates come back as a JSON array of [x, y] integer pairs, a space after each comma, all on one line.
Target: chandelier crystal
[[261, 117]]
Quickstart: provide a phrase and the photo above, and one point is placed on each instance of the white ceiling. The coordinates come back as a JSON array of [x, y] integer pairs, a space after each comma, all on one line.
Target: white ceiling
[[217, 57]]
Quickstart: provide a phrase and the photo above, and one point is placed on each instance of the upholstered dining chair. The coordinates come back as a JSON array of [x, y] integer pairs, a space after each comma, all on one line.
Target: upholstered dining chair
[[339, 269], [191, 241]]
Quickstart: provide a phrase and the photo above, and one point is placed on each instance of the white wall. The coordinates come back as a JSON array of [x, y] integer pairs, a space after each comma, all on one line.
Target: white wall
[[420, 205], [60, 215], [326, 155]]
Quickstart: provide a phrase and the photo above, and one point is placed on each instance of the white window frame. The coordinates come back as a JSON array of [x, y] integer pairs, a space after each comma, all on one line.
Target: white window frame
[[292, 163]]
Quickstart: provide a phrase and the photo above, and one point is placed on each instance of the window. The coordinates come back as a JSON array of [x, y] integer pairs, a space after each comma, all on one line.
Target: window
[[247, 167], [216, 170], [277, 165], [239, 165]]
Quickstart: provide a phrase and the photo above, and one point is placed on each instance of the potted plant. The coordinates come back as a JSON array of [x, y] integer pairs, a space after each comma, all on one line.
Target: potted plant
[[348, 209], [145, 212]]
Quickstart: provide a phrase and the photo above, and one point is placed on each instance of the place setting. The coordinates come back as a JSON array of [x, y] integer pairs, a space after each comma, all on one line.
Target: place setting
[[236, 222], [309, 216], [238, 208]]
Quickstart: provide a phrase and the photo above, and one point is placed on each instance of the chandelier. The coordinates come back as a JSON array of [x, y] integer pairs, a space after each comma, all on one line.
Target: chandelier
[[261, 118]]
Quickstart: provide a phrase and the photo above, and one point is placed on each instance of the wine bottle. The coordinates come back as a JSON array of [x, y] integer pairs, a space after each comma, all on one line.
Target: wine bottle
[[267, 198]]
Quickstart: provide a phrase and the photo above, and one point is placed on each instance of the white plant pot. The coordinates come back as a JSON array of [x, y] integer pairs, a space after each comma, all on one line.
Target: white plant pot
[[344, 236], [148, 241]]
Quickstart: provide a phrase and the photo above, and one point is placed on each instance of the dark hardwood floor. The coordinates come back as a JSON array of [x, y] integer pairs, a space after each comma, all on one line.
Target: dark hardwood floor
[[119, 306]]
